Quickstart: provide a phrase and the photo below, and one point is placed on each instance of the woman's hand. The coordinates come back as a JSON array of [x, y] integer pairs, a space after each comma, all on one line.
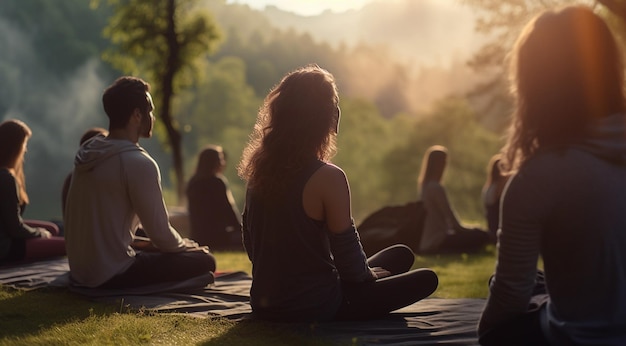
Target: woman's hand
[[44, 233], [192, 246], [379, 273], [189, 243]]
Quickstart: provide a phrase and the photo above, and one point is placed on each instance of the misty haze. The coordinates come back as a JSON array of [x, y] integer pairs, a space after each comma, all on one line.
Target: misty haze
[[390, 58]]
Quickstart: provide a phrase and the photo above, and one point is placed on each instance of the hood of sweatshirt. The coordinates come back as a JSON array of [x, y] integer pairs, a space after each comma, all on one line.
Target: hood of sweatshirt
[[100, 148], [607, 139]]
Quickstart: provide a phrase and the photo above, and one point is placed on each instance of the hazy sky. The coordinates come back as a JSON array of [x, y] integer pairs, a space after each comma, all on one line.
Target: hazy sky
[[306, 7]]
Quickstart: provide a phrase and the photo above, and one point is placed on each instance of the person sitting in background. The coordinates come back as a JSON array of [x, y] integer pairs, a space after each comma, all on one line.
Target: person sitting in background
[[492, 192], [567, 199], [21, 239], [213, 214], [443, 233], [307, 261], [116, 185], [89, 134]]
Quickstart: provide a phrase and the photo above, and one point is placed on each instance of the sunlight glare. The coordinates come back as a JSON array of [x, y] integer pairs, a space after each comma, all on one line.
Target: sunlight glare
[[306, 7]]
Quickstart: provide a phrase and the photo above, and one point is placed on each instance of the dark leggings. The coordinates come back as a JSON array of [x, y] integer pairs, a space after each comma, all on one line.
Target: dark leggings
[[400, 289], [156, 267], [524, 329]]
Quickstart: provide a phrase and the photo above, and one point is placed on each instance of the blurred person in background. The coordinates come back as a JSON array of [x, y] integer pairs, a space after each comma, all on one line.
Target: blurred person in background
[[443, 232], [492, 193], [214, 217], [21, 239], [87, 135]]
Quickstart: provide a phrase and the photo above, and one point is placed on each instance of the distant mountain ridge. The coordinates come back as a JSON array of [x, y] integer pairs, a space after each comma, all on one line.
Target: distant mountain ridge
[[400, 54], [431, 32]]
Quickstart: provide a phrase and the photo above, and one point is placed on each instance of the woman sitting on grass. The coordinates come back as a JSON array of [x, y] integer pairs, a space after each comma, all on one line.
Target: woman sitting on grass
[[443, 233], [20, 239], [213, 214], [307, 261], [567, 199]]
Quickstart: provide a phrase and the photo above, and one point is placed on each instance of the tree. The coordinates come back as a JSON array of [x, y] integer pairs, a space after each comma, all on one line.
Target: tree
[[167, 41]]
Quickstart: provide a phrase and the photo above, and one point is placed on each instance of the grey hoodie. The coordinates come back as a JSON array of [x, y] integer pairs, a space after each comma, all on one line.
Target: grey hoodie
[[115, 186]]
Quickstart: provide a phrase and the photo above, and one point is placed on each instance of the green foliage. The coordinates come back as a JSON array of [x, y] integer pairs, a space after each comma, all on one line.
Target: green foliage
[[67, 31], [364, 140], [268, 59], [139, 29], [42, 41], [221, 110], [381, 140], [165, 40]]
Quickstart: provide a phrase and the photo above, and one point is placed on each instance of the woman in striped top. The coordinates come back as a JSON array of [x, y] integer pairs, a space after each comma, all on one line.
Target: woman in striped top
[[566, 201]]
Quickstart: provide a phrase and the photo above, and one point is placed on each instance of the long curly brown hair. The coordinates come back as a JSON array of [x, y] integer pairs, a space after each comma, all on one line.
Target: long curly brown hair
[[297, 123], [566, 71]]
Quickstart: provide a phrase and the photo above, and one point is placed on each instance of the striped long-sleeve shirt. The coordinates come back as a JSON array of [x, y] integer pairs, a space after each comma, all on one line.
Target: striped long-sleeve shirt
[[569, 207]]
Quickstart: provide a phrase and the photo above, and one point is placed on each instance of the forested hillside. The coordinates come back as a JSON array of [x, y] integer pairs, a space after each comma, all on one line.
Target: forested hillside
[[53, 77]]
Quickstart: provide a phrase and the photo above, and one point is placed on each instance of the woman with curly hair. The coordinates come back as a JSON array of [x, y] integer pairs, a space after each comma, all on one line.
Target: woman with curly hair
[[307, 261]]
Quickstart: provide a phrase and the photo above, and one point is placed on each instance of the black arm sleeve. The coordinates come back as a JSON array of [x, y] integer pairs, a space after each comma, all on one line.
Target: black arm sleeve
[[350, 259]]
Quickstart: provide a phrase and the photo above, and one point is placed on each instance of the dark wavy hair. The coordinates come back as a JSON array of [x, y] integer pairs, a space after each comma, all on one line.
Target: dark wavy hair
[[566, 71], [13, 134], [297, 123]]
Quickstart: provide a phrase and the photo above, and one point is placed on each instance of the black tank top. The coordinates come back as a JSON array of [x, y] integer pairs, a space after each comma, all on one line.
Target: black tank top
[[294, 278]]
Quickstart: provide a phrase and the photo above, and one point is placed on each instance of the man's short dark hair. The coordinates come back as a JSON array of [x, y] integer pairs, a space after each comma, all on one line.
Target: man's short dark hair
[[122, 97]]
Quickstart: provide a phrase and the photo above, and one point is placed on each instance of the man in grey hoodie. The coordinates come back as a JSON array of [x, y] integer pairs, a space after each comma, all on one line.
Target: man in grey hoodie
[[116, 186]]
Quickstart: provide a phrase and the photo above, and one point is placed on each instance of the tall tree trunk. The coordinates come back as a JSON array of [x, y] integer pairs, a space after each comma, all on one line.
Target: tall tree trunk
[[171, 68]]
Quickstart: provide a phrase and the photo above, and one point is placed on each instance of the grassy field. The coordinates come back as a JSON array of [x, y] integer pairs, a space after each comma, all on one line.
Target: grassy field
[[57, 317]]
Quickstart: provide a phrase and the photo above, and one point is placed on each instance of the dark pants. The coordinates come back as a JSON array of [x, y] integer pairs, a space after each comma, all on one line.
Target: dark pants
[[156, 267], [402, 288], [525, 329]]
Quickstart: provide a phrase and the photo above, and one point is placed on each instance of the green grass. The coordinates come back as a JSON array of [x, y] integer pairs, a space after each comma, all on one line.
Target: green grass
[[57, 317], [463, 275]]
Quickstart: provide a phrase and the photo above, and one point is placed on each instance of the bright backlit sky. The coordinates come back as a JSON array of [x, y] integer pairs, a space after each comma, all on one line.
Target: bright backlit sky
[[306, 7]]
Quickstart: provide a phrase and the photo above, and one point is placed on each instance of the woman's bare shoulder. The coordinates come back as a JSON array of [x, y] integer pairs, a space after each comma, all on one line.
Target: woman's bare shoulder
[[328, 178], [330, 173]]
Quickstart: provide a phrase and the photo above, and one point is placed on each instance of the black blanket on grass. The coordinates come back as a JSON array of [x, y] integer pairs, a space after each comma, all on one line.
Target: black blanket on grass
[[432, 321]]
